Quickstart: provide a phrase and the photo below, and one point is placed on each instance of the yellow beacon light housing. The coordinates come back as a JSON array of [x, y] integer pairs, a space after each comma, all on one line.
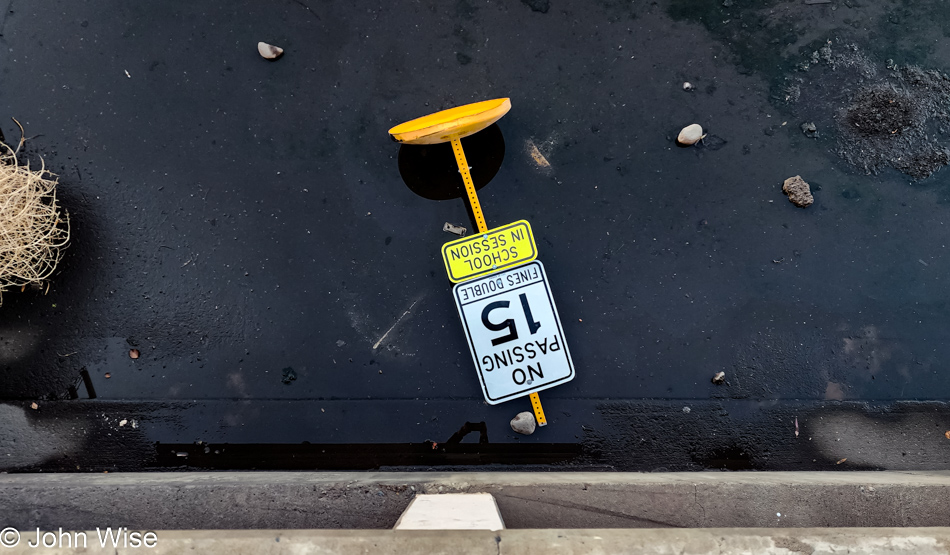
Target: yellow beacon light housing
[[454, 123]]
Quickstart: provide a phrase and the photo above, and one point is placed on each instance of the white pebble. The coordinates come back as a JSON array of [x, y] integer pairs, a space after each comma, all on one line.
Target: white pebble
[[523, 423], [269, 51], [690, 135], [687, 86]]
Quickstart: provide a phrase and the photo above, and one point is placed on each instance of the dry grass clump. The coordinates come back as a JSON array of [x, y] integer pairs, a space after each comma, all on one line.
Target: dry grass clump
[[34, 229]]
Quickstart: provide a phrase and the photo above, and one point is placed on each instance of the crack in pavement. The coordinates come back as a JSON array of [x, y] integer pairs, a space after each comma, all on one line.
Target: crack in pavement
[[305, 6], [588, 508], [697, 503], [408, 310]]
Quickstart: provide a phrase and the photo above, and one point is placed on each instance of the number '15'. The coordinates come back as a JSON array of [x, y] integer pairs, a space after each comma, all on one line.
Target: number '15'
[[509, 324]]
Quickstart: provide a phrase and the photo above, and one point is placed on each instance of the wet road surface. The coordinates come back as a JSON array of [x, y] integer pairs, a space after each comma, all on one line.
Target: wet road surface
[[241, 222]]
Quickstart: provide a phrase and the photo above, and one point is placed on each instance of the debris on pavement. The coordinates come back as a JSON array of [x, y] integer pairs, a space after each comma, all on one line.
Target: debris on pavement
[[123, 422], [687, 86], [687, 410], [34, 406], [269, 51], [810, 129], [536, 155], [134, 354], [523, 423], [946, 435], [690, 135], [288, 375], [842, 460], [719, 378], [796, 426], [798, 191], [456, 229], [108, 375]]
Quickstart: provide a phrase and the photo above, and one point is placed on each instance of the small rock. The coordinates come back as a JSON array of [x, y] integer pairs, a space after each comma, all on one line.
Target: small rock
[[810, 129], [269, 51], [455, 229], [719, 378], [686, 410], [288, 375], [134, 354], [123, 422], [34, 406], [799, 193], [523, 423], [340, 343], [690, 135], [687, 86]]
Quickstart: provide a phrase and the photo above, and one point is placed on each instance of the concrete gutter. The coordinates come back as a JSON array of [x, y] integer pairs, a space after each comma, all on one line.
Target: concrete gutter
[[877, 541], [305, 500]]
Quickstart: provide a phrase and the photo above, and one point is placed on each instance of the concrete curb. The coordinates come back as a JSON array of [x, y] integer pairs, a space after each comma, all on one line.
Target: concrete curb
[[289, 500], [917, 541]]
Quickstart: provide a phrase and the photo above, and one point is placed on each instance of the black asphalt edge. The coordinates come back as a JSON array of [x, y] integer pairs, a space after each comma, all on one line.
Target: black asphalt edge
[[601, 434]]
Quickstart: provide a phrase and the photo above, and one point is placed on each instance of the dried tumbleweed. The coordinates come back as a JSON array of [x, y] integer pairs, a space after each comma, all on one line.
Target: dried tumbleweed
[[34, 229]]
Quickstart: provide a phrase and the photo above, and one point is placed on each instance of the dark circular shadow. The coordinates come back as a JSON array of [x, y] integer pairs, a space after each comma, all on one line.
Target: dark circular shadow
[[430, 170]]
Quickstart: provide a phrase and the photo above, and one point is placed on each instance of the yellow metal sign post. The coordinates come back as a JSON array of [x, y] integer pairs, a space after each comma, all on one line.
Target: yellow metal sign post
[[453, 125]]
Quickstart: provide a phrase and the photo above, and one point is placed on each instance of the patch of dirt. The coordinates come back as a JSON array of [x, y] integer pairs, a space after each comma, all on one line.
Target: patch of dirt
[[884, 115], [881, 112]]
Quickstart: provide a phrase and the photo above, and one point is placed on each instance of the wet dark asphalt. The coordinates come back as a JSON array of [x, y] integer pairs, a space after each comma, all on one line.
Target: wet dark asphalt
[[234, 217]]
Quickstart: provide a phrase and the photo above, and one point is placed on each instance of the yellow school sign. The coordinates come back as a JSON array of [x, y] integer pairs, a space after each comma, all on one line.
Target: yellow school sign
[[489, 252]]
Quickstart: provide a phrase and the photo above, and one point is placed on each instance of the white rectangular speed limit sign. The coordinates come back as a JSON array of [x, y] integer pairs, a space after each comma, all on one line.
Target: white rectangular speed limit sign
[[514, 332]]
